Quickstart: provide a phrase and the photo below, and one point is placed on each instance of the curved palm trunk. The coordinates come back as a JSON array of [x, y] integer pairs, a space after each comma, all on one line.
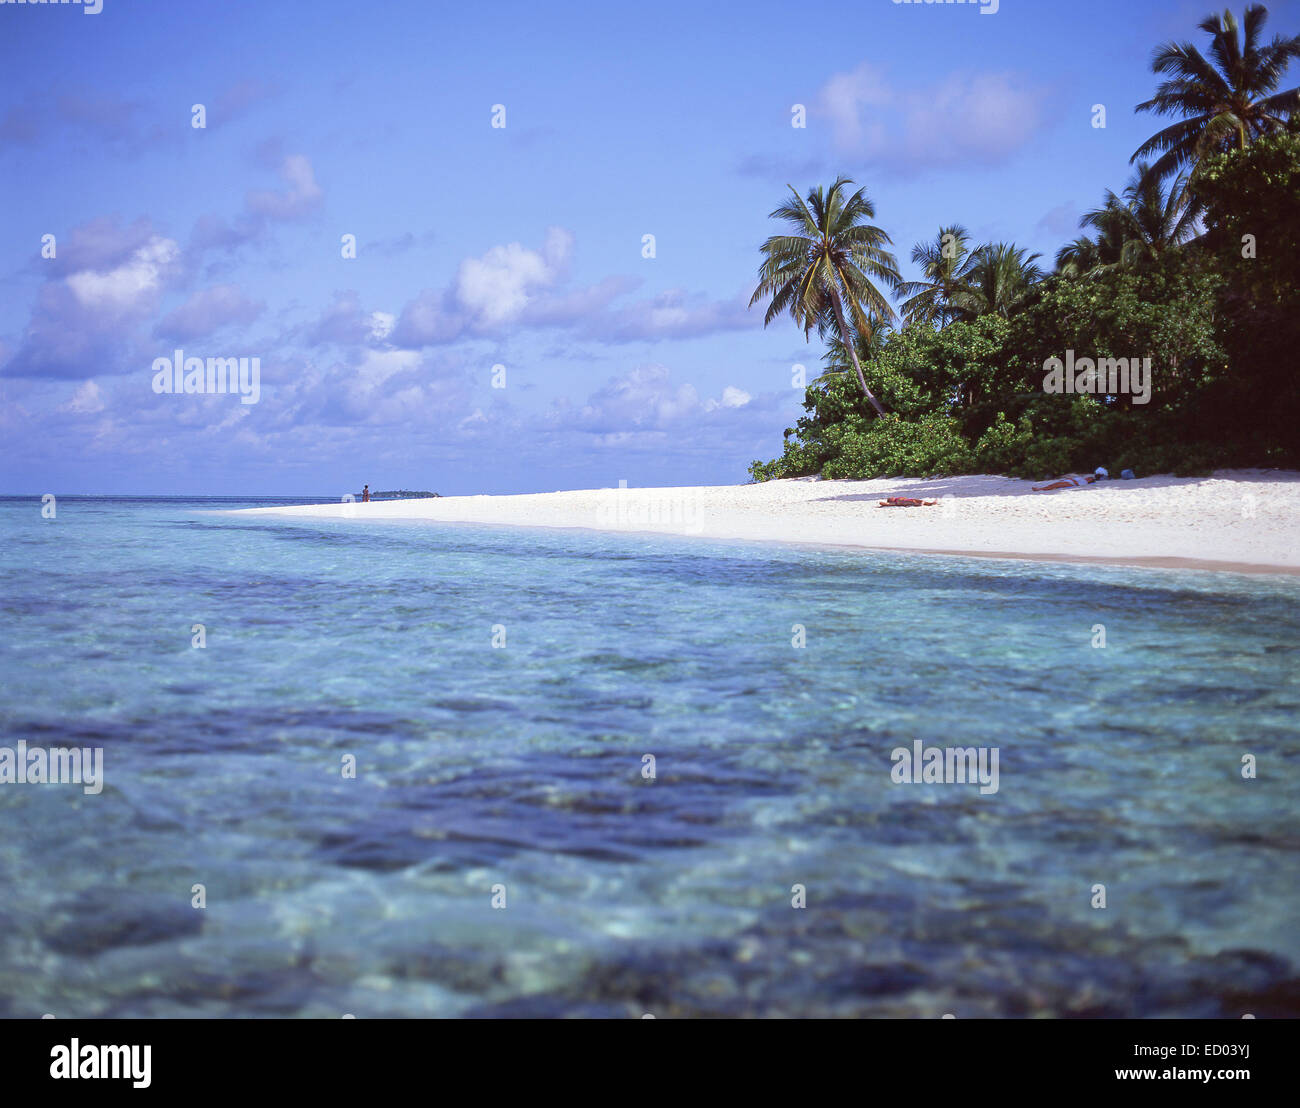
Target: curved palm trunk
[[852, 348]]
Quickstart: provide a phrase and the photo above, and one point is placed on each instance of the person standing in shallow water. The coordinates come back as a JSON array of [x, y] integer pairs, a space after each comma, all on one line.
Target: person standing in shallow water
[[365, 495]]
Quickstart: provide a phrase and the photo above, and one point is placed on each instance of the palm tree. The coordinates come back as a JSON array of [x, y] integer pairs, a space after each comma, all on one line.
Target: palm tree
[[868, 347], [826, 268], [1113, 227], [1157, 219], [945, 266], [999, 279], [1220, 107], [1085, 256], [1145, 223]]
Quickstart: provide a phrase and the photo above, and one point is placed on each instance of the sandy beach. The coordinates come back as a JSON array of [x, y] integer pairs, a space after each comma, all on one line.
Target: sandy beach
[[1238, 520]]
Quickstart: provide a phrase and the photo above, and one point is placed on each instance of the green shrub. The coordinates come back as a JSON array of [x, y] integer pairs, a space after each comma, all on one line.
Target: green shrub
[[1002, 447], [890, 447]]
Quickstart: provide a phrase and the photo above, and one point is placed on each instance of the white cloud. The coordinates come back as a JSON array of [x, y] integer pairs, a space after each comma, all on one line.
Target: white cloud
[[674, 314], [645, 399], [966, 117], [496, 288], [381, 325], [377, 366], [82, 323], [845, 96], [428, 319], [558, 248], [129, 287], [301, 196], [85, 401], [207, 311]]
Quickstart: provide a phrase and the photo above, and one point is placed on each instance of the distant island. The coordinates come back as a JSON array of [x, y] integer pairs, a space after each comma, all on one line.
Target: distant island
[[400, 494]]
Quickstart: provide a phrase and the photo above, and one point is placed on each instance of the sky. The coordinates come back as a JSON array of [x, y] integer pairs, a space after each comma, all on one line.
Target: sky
[[504, 325]]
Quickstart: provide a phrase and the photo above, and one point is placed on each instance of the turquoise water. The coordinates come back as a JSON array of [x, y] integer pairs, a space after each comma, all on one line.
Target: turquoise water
[[521, 766]]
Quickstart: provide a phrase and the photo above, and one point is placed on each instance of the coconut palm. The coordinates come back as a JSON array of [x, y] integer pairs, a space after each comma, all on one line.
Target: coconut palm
[[1086, 257], [945, 266], [837, 359], [1000, 277], [1148, 221], [823, 273], [1223, 103], [1112, 226], [1157, 219]]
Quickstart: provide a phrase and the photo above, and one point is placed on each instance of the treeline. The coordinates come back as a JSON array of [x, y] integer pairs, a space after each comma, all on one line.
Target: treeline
[[1192, 274]]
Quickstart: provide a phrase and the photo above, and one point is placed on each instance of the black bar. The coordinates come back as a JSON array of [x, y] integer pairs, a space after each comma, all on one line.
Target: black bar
[[357, 1056]]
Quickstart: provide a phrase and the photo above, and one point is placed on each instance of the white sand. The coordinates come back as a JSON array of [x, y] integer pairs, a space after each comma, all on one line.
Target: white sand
[[1246, 520]]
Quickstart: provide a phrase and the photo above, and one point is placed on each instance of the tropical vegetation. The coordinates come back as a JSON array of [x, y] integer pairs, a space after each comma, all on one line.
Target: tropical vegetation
[[1194, 265]]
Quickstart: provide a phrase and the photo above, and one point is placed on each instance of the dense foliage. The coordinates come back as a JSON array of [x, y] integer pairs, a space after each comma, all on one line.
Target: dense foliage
[[1252, 200], [1196, 268]]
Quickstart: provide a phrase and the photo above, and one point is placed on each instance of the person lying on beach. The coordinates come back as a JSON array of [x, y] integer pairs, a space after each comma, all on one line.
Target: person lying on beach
[[1073, 481], [906, 502]]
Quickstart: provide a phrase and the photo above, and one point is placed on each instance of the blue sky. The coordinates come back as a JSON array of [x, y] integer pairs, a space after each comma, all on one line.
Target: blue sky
[[478, 246]]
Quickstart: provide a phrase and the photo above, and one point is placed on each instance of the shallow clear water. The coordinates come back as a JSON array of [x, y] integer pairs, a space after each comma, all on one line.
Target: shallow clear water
[[521, 767]]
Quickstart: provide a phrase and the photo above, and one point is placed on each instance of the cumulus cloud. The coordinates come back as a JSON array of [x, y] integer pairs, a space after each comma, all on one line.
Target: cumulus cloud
[[126, 288], [432, 317], [262, 207], [378, 366], [343, 321], [849, 99], [390, 387], [561, 309], [966, 117], [86, 400], [98, 244], [497, 287], [645, 398], [674, 314], [301, 195], [381, 325], [82, 320], [501, 287], [208, 311], [513, 285], [213, 232], [129, 288]]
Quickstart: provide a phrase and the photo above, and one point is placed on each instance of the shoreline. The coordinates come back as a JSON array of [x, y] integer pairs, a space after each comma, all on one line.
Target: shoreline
[[1235, 521], [1152, 562]]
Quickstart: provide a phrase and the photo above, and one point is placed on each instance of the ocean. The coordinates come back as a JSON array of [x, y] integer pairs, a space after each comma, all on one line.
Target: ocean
[[415, 770]]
